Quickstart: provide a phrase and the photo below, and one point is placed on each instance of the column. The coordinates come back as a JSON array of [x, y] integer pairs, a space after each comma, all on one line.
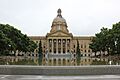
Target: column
[[56, 45], [48, 45], [70, 45], [61, 46], [52, 45], [66, 46]]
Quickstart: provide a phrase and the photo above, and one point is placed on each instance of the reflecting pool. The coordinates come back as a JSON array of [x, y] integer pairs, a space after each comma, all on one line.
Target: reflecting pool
[[57, 61]]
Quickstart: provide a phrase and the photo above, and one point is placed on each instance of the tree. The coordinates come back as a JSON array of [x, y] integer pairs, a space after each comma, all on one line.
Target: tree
[[12, 39], [107, 40], [78, 50], [40, 49], [78, 53], [5, 44], [93, 46], [116, 39]]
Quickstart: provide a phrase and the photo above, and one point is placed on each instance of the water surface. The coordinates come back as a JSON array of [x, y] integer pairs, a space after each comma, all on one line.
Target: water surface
[[57, 61]]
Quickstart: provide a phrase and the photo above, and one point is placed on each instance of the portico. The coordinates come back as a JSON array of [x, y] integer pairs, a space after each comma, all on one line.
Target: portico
[[59, 45]]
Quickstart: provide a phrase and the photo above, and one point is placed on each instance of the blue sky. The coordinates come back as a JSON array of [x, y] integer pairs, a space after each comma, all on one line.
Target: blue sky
[[84, 17]]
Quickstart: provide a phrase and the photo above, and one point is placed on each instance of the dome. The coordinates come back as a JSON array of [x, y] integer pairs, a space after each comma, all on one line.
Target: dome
[[59, 23], [59, 19]]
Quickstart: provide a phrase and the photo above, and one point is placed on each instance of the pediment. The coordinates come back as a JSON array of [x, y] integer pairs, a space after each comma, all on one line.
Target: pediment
[[59, 34]]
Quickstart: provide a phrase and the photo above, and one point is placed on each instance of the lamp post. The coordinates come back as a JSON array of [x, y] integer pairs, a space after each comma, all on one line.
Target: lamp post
[[9, 48], [116, 45]]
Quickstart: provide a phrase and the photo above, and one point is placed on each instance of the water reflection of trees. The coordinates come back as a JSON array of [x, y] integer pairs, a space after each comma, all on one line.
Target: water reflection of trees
[[57, 61], [99, 62], [23, 62], [20, 61]]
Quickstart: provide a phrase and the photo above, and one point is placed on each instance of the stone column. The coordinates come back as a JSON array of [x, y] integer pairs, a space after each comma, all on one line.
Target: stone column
[[70, 46], [61, 46], [56, 45], [66, 46], [48, 45], [52, 45]]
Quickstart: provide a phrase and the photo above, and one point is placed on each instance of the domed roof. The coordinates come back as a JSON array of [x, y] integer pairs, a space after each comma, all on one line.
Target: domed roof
[[59, 18]]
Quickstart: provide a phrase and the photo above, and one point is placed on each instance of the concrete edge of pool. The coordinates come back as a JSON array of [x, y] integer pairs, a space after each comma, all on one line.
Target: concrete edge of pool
[[59, 70]]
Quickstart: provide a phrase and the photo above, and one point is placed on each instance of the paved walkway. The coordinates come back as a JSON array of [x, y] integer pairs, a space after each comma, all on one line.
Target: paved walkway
[[34, 77]]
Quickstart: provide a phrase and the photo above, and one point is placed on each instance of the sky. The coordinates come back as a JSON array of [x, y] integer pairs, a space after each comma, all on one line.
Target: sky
[[83, 17]]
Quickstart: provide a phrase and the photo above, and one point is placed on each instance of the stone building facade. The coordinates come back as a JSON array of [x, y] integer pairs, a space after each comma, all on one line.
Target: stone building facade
[[60, 41]]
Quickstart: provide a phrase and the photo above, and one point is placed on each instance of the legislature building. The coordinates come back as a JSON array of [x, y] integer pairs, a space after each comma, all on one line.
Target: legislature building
[[60, 41]]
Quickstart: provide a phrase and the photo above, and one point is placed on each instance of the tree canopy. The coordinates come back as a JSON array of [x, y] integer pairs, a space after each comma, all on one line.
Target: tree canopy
[[12, 39], [107, 40]]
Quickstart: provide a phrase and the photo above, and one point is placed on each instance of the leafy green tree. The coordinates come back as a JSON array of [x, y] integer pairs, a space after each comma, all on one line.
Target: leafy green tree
[[40, 49], [94, 46], [32, 46], [12, 39], [107, 40], [116, 38], [5, 44], [100, 41]]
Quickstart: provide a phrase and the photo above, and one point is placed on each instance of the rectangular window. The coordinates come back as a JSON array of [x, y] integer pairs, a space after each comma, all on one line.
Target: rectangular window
[[74, 46], [81, 46], [85, 46]]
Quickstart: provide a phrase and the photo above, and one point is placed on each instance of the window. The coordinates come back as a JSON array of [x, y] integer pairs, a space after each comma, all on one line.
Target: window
[[81, 54], [54, 50], [81, 50], [63, 50], [81, 46], [85, 46], [68, 51], [36, 41], [58, 27], [74, 46], [74, 51], [89, 60], [85, 60], [50, 60], [50, 50], [44, 51], [88, 54], [88, 50]]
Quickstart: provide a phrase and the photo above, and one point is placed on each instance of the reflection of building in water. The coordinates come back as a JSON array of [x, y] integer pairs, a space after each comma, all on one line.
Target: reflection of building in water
[[71, 61], [53, 61], [85, 61], [60, 41]]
